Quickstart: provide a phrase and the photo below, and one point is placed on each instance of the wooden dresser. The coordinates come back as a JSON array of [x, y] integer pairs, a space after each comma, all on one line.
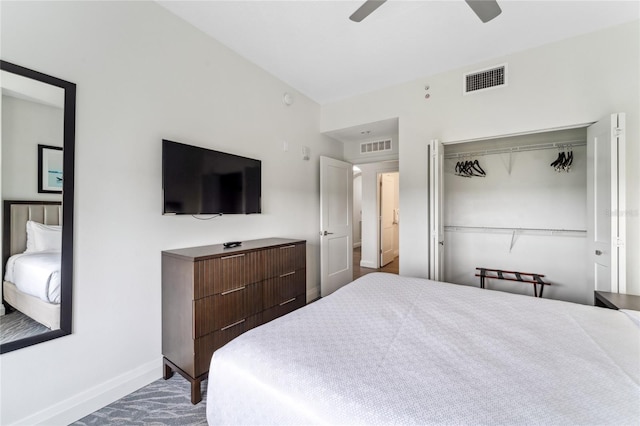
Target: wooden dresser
[[211, 295]]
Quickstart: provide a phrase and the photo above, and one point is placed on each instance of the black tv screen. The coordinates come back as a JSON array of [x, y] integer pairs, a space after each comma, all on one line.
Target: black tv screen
[[202, 181]]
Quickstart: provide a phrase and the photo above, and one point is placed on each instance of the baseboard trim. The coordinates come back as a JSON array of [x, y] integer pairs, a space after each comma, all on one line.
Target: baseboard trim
[[368, 264], [313, 294], [92, 399]]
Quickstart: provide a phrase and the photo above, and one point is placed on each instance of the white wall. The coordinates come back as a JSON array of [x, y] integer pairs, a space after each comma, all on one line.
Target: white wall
[[533, 195], [143, 75], [352, 152], [25, 125], [579, 80]]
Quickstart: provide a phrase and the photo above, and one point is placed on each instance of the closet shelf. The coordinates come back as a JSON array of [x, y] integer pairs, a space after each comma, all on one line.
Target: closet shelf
[[523, 148], [500, 230]]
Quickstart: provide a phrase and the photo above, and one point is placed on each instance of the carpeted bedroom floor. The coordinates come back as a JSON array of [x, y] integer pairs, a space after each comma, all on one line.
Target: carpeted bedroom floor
[[163, 402], [16, 325]]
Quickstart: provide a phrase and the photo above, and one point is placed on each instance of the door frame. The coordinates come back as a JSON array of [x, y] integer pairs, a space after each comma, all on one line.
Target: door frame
[[617, 203], [435, 187], [377, 168], [379, 214]]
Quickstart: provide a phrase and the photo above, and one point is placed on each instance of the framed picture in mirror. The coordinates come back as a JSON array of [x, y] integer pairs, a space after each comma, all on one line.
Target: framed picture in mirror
[[49, 169]]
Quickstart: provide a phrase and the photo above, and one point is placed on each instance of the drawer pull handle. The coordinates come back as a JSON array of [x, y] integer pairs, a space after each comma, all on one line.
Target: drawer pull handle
[[224, 293], [287, 247], [287, 274], [231, 257], [288, 301], [233, 325]]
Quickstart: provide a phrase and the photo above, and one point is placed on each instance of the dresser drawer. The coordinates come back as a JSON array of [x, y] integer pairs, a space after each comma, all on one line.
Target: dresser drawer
[[283, 308], [216, 312], [220, 274], [284, 259], [280, 289], [205, 346]]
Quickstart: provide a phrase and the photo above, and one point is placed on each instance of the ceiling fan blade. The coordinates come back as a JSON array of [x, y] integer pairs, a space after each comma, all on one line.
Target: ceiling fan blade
[[485, 9], [366, 9]]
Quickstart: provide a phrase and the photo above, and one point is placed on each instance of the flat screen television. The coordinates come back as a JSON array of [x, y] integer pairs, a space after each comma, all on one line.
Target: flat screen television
[[203, 181]]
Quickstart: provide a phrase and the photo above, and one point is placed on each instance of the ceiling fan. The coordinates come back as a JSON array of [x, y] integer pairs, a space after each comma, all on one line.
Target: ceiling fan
[[485, 9]]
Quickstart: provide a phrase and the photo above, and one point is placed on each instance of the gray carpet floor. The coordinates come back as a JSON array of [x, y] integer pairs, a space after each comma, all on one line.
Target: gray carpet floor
[[163, 402], [16, 325]]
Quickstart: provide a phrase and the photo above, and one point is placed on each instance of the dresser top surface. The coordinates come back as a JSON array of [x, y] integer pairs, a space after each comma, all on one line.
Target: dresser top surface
[[215, 250]]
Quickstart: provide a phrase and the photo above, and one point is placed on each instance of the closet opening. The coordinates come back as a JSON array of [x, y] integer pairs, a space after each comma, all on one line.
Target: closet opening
[[550, 203], [518, 203]]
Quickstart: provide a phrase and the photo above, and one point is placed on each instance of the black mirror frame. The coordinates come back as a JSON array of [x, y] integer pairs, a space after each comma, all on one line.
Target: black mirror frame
[[66, 269]]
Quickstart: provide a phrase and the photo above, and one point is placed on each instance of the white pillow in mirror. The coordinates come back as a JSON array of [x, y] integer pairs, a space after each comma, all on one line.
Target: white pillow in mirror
[[43, 237]]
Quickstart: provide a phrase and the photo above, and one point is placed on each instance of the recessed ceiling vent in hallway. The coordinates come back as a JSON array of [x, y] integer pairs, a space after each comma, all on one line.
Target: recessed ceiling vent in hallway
[[376, 146], [485, 79]]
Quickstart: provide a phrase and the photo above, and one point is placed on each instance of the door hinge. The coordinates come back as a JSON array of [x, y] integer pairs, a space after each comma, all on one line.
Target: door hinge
[[618, 131], [619, 242]]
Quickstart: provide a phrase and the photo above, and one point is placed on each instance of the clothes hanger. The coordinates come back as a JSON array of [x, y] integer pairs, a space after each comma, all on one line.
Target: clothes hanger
[[476, 166], [558, 161], [569, 162], [461, 169]]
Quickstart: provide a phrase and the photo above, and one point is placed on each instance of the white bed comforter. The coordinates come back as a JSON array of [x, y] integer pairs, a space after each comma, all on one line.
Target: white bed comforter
[[36, 274], [392, 350]]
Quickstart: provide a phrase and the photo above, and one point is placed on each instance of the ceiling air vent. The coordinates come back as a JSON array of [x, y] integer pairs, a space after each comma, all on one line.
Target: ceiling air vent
[[485, 79], [377, 146]]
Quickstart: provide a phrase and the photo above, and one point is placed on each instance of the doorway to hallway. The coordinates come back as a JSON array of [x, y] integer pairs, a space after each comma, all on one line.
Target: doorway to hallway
[[393, 267], [376, 215]]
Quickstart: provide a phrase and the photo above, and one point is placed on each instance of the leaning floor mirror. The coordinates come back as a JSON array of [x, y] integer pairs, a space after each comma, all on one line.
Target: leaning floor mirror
[[36, 183]]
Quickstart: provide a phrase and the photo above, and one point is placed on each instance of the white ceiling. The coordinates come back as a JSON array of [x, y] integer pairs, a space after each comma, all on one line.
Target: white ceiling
[[315, 48]]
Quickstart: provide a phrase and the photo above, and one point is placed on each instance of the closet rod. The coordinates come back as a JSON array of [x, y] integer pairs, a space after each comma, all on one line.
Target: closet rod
[[491, 229], [523, 148]]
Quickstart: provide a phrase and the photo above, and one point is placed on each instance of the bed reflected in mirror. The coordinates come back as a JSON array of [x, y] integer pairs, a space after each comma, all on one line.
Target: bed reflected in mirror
[[36, 181]]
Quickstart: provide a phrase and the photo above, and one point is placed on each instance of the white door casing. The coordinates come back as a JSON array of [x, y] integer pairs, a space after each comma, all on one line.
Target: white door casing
[[336, 227], [435, 159], [606, 204], [387, 207]]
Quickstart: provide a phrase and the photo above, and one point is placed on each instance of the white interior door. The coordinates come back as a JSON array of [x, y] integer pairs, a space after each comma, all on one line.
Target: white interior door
[[435, 159], [387, 207], [336, 224], [605, 201]]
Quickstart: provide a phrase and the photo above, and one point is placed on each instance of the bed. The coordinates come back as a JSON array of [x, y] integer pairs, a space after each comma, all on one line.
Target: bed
[[387, 349], [31, 250]]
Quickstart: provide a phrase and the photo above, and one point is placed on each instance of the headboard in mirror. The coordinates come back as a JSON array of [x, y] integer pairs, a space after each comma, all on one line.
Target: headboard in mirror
[[35, 294], [24, 89]]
